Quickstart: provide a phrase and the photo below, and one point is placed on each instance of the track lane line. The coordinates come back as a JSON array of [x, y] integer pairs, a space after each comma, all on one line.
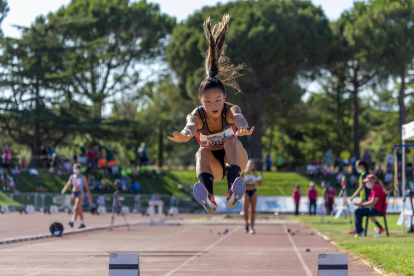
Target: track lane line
[[201, 252], [51, 269], [304, 265]]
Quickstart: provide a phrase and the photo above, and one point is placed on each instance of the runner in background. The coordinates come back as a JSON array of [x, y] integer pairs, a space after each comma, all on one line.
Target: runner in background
[[250, 197]]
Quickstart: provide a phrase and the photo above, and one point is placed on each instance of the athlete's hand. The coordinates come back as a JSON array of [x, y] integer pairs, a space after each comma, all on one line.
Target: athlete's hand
[[178, 137], [244, 131], [90, 198]]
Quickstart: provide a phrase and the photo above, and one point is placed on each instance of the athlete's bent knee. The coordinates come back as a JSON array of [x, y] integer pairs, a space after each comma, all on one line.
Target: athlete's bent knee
[[230, 142], [203, 153]]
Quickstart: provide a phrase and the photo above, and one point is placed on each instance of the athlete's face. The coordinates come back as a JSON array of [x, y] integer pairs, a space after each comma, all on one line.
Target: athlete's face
[[213, 101]]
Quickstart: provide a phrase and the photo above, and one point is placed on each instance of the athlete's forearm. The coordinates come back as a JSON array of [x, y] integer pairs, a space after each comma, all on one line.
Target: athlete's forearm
[[240, 121], [190, 129]]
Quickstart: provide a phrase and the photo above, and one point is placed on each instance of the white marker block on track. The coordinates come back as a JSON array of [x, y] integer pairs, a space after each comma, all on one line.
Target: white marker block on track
[[333, 264], [123, 264]]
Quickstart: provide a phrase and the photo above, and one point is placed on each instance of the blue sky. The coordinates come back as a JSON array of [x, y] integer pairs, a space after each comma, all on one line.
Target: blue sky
[[23, 12]]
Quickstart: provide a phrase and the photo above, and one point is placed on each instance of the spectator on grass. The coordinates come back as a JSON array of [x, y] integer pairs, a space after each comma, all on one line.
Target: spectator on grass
[[12, 185], [362, 191], [296, 198], [74, 154], [367, 158], [105, 183], [23, 163], [375, 205], [353, 180], [389, 179], [312, 195], [279, 162], [328, 158], [325, 193], [143, 155], [268, 163], [135, 187], [91, 158], [310, 170], [132, 157]]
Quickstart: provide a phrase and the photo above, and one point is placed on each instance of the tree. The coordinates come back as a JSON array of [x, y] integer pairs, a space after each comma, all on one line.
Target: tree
[[277, 40], [33, 109], [109, 39], [4, 10], [350, 64], [387, 33]]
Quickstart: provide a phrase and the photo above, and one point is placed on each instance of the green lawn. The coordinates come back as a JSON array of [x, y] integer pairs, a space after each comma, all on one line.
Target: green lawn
[[274, 183], [394, 254]]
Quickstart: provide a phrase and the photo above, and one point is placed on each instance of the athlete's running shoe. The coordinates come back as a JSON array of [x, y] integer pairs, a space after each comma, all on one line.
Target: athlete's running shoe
[[380, 230], [246, 229], [71, 224], [81, 226], [252, 231], [352, 232], [236, 192], [204, 198]]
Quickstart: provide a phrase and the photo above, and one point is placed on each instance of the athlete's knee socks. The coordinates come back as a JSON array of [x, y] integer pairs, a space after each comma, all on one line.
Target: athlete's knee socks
[[379, 225], [207, 180], [232, 172]]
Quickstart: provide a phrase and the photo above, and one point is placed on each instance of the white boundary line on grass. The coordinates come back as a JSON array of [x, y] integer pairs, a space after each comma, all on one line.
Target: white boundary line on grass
[[201, 252], [304, 265]]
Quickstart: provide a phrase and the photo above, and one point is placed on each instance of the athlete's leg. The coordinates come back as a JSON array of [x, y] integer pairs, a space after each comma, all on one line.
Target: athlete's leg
[[80, 212], [208, 169], [246, 204], [253, 202], [75, 213], [236, 159]]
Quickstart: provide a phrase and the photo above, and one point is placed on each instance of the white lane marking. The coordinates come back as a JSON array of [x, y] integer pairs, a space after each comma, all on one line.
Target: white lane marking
[[201, 252], [68, 264], [305, 267]]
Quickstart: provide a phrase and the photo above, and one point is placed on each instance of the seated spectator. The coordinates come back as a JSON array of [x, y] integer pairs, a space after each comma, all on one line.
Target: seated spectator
[[389, 179], [320, 172], [339, 178], [102, 164], [68, 167], [124, 182], [4, 180], [100, 201], [376, 204], [113, 166], [23, 163], [91, 181], [310, 170], [41, 189], [353, 180], [105, 183], [135, 187]]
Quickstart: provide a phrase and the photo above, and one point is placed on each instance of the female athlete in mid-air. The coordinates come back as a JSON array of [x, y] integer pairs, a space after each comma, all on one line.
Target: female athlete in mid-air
[[214, 124], [78, 181]]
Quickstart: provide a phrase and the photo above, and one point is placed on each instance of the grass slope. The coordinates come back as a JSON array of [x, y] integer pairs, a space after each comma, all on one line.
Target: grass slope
[[274, 183], [394, 254]]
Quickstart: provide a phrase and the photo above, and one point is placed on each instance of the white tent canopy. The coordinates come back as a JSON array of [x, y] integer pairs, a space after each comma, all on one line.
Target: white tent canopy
[[408, 132]]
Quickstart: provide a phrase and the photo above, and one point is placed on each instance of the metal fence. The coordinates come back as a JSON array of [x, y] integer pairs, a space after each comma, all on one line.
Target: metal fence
[[136, 203]]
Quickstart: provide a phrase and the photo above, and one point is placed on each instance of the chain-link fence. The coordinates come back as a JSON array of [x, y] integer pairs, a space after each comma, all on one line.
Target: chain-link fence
[[136, 203]]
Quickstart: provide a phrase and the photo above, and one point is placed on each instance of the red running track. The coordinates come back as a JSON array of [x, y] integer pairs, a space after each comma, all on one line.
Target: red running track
[[193, 248]]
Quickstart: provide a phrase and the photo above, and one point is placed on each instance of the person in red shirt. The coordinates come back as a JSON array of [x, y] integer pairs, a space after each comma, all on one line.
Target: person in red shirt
[[375, 204], [296, 197], [312, 195]]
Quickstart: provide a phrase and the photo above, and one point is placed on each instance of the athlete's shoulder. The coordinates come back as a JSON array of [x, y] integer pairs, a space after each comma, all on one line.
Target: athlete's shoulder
[[195, 112]]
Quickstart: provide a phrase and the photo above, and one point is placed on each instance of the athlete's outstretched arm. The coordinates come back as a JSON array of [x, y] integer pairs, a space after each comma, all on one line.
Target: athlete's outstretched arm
[[189, 130], [240, 122]]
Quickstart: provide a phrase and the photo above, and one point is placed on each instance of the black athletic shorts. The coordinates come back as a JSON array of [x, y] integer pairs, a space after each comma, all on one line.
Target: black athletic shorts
[[219, 155]]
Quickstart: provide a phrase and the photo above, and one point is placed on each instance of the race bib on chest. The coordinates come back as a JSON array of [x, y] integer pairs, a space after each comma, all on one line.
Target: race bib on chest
[[216, 139]]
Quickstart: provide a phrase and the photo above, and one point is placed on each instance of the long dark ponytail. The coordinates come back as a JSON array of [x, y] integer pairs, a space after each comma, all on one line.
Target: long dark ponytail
[[217, 64]]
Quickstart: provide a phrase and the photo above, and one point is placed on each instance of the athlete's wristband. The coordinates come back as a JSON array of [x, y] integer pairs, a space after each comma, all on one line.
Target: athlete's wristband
[[186, 129]]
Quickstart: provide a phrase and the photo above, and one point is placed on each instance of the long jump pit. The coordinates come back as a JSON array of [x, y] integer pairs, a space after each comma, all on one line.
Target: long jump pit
[[189, 245]]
